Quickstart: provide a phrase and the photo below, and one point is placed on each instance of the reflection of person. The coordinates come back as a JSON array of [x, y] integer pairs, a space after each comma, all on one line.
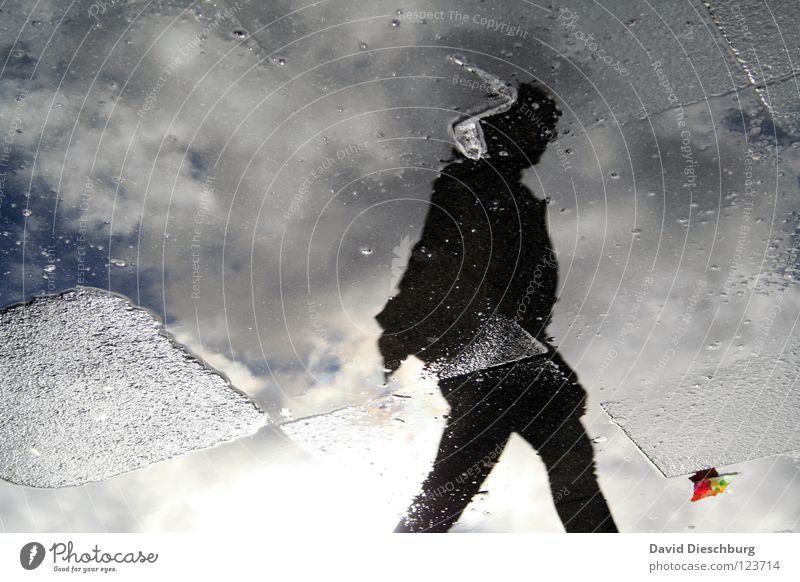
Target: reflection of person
[[485, 250]]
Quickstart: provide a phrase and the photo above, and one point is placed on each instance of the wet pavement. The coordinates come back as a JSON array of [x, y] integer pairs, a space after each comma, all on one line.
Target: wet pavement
[[260, 177]]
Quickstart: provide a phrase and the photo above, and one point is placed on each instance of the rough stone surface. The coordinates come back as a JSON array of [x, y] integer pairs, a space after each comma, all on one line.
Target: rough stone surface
[[91, 388], [501, 341], [744, 411]]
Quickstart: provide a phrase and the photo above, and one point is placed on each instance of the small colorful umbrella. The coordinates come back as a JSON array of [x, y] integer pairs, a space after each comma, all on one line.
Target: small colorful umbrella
[[708, 483]]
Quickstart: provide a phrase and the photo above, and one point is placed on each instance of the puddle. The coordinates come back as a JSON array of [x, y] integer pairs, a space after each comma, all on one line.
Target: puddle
[[260, 179]]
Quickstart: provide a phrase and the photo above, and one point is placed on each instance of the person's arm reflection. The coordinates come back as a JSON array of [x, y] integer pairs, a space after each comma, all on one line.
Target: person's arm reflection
[[485, 250]]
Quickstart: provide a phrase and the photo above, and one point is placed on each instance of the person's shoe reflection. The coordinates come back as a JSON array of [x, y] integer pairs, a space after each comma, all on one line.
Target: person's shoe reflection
[[485, 250]]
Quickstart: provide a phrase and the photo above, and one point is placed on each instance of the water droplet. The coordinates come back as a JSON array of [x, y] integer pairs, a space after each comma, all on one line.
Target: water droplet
[[614, 175], [49, 268], [366, 251], [280, 61], [600, 439], [26, 212], [117, 262], [239, 34], [395, 23], [362, 46]]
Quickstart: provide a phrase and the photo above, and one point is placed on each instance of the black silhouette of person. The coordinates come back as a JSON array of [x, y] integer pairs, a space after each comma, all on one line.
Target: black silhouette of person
[[485, 251]]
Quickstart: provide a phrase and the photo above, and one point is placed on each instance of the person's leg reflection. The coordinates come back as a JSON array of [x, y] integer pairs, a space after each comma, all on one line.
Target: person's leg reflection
[[470, 447], [556, 433], [542, 401]]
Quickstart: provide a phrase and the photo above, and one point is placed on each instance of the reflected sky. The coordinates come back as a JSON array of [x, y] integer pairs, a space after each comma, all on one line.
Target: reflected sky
[[257, 176]]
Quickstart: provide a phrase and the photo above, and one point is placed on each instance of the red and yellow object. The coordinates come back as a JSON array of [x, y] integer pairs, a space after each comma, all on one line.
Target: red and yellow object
[[708, 483]]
